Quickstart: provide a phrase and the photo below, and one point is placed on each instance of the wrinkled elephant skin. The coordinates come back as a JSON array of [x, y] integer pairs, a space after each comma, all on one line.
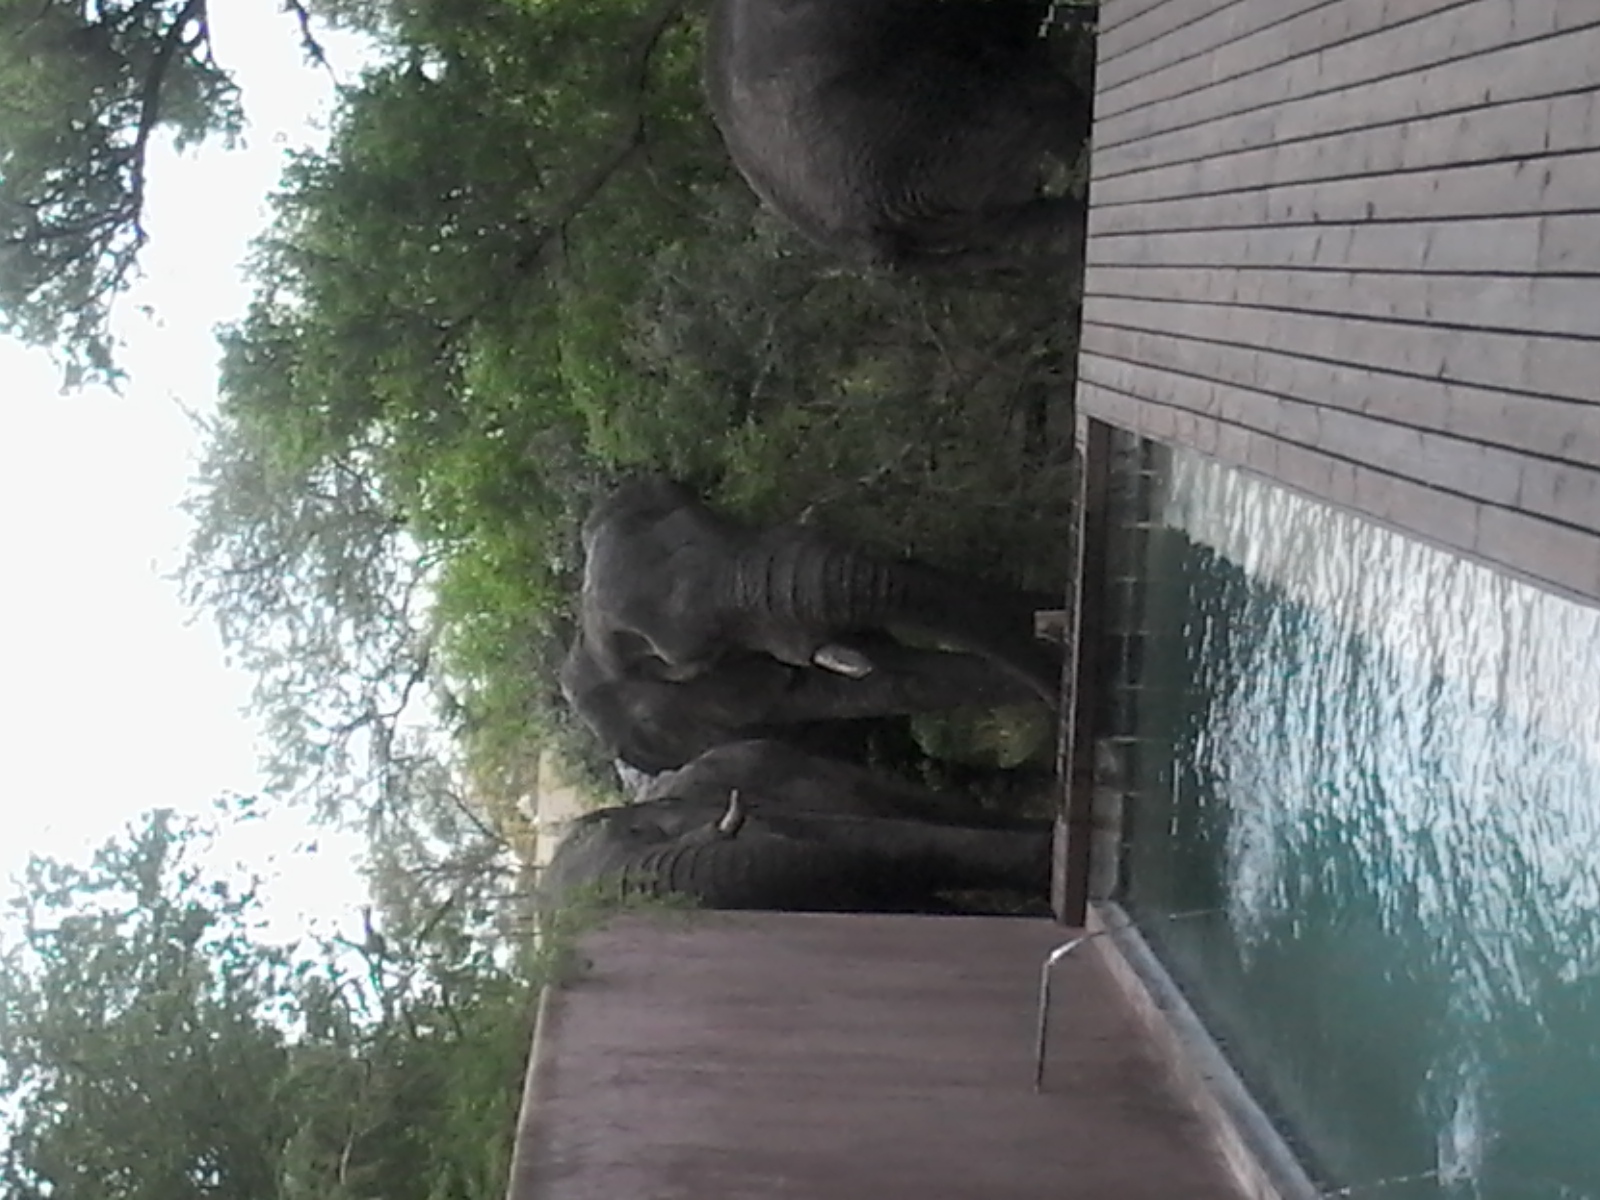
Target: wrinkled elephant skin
[[671, 589], [654, 725], [773, 775], [816, 836], [695, 630], [900, 133]]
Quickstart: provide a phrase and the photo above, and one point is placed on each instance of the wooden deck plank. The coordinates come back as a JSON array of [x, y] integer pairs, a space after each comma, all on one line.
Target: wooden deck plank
[[1197, 30], [1548, 555], [1546, 125], [1540, 366], [1569, 183], [1481, 471], [1564, 243], [726, 1056], [1236, 41], [1482, 30], [1543, 550], [1562, 430], [1518, 74], [1534, 304], [1356, 248], [1126, 24]]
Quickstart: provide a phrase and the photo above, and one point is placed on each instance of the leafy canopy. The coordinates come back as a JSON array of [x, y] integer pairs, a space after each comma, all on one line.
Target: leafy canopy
[[84, 88], [153, 1046], [523, 266]]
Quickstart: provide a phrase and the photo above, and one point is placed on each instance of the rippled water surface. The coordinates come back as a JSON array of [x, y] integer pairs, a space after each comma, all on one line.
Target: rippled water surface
[[1377, 767]]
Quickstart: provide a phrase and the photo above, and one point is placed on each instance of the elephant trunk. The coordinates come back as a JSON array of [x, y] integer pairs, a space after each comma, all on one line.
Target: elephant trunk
[[723, 860], [746, 869], [798, 579], [793, 579]]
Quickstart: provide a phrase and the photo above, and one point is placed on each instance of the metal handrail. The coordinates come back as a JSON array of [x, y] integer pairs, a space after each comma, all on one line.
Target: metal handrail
[[1047, 971]]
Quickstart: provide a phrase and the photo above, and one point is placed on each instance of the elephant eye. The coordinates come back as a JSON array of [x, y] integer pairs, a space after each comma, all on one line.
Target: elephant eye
[[646, 830]]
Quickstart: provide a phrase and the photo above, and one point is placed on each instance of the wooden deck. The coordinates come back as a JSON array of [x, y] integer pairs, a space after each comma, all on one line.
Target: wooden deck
[[783, 1054], [1355, 247]]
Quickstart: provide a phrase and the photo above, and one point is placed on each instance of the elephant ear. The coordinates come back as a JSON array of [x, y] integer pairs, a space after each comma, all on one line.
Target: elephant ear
[[656, 725], [655, 729]]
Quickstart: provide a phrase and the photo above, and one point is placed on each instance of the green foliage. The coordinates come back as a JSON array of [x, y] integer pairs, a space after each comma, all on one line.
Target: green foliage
[[411, 331], [135, 1024], [152, 1046], [924, 417], [522, 267], [83, 90]]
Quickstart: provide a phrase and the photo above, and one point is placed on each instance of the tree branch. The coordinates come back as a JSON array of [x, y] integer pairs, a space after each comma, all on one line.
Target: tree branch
[[636, 71], [308, 41], [150, 112]]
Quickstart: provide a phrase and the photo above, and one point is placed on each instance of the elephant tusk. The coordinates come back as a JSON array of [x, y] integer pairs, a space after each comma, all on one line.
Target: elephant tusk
[[842, 660], [734, 817]]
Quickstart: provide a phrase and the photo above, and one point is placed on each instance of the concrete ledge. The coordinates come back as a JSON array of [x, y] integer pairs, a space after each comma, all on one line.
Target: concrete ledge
[[1261, 1161], [519, 1179]]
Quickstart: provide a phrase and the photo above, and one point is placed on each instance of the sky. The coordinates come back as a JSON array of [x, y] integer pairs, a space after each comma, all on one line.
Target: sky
[[118, 699]]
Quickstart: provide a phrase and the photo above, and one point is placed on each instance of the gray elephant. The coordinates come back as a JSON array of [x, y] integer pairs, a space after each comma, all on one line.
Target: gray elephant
[[655, 725], [694, 627], [900, 133], [759, 825]]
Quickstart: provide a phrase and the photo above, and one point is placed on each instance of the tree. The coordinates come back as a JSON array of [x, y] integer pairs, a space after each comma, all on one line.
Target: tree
[[304, 561], [86, 89], [83, 91], [407, 355], [522, 266], [136, 1032], [152, 1046]]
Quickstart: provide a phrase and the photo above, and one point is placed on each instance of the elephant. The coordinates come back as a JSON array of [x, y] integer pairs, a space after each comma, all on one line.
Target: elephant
[[655, 725], [804, 781], [760, 825], [901, 133], [693, 627]]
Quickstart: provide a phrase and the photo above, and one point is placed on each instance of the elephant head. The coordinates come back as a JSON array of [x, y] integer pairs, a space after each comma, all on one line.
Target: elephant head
[[820, 838], [672, 589], [901, 133], [654, 724]]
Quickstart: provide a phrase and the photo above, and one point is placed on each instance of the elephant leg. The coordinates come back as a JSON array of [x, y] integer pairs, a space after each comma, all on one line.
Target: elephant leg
[[993, 622], [656, 725]]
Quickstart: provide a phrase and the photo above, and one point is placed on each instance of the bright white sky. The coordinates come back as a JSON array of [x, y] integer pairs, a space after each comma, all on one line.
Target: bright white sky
[[117, 699]]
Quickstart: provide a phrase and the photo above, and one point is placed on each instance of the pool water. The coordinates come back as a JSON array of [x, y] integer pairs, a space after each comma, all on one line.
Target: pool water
[[1374, 769]]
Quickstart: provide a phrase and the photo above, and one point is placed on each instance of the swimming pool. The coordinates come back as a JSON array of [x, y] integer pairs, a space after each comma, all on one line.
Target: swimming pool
[[1373, 769]]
